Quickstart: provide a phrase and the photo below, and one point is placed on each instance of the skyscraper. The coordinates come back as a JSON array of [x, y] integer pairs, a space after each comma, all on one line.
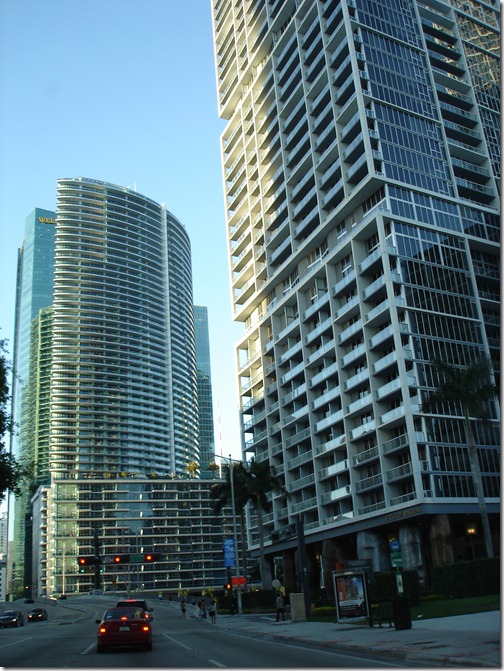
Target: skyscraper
[[205, 405], [361, 165], [106, 357], [123, 381], [34, 291]]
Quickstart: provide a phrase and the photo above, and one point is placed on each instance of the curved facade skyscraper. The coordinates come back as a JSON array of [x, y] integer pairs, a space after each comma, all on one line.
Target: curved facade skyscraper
[[123, 383]]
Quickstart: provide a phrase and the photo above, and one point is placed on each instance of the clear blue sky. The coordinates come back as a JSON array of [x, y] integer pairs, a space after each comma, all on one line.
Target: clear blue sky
[[121, 91]]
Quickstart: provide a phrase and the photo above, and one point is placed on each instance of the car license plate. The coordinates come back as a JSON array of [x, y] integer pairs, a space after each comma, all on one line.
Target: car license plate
[[124, 628]]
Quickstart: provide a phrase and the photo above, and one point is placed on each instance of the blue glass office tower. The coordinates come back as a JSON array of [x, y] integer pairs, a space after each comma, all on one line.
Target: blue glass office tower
[[34, 291], [205, 405], [361, 162]]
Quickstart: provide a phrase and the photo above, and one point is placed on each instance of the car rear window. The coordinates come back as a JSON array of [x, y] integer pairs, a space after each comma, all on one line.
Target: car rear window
[[130, 613], [132, 604]]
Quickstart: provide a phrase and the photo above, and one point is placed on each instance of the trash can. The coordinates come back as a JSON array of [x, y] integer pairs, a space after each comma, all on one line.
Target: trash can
[[401, 612]]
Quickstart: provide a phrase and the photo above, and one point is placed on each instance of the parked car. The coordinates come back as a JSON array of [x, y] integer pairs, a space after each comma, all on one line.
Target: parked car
[[123, 627], [136, 603], [37, 614], [12, 618]]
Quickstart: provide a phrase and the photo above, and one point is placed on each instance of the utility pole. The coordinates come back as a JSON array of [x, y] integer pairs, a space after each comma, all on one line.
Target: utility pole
[[97, 566], [303, 567]]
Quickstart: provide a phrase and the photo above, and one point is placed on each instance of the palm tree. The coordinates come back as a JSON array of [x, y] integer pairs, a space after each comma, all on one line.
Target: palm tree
[[191, 468], [221, 494], [262, 480], [470, 389], [213, 468]]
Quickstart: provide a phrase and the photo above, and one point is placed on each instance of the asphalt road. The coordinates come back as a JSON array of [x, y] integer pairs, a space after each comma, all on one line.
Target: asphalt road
[[68, 640]]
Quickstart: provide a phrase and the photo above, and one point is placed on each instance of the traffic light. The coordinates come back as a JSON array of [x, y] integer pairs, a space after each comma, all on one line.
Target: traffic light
[[229, 586], [85, 561], [120, 559], [152, 556]]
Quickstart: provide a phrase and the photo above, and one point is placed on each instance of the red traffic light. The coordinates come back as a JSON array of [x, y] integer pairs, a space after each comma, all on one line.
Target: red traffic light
[[152, 556], [86, 560], [120, 559]]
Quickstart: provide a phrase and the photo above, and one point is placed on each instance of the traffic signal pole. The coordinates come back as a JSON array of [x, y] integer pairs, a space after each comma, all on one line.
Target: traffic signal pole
[[97, 576]]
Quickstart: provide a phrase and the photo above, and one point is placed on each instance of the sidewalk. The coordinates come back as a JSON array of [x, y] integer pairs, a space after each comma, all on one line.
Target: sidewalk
[[461, 641]]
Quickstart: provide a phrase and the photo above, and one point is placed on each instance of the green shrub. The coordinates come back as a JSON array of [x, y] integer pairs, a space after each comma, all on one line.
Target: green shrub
[[470, 578], [324, 611]]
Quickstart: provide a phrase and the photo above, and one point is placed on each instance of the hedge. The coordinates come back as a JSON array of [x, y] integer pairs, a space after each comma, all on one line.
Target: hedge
[[469, 578]]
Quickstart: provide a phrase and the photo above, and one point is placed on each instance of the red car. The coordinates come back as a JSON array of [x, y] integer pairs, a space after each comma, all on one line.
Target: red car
[[123, 627]]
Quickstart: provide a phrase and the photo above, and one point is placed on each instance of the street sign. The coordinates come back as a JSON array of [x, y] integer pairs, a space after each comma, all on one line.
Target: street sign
[[229, 553], [136, 558], [239, 580]]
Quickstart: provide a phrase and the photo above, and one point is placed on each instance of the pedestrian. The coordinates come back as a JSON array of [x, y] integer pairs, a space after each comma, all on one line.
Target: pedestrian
[[280, 609], [203, 609], [212, 609], [183, 609]]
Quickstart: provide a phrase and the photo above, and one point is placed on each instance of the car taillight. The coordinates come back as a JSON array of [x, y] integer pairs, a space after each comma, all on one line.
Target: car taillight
[[103, 630], [145, 628]]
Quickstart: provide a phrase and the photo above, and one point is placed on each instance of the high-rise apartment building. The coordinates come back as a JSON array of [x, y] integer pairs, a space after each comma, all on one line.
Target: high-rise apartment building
[[361, 163], [206, 439], [104, 346], [123, 380]]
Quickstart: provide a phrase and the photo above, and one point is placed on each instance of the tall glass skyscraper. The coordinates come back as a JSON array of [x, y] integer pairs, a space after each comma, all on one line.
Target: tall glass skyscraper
[[34, 291], [205, 404], [361, 162]]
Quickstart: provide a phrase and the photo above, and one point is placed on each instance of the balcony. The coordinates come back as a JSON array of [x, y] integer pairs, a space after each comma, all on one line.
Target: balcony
[[399, 473], [337, 494], [331, 445], [366, 456], [367, 484], [325, 423], [333, 470]]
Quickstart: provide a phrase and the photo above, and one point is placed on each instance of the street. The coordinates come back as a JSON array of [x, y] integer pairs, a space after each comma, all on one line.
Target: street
[[68, 640]]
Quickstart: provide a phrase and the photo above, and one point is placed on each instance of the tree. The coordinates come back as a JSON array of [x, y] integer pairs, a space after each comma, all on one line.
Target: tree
[[213, 468], [13, 473], [469, 390], [191, 468], [262, 480]]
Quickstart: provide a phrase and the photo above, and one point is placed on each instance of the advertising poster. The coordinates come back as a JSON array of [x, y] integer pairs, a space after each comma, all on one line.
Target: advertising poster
[[351, 596]]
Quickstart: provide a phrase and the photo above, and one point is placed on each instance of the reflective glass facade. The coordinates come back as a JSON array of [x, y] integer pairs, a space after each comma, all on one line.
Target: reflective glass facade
[[361, 173], [34, 291], [205, 404]]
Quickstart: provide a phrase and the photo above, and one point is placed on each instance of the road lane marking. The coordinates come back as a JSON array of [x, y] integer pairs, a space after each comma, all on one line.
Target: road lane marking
[[174, 640], [88, 649], [216, 663], [22, 640]]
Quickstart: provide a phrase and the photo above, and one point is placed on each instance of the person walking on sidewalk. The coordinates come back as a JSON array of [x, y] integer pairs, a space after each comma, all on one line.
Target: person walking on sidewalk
[[212, 609], [280, 608], [183, 609]]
